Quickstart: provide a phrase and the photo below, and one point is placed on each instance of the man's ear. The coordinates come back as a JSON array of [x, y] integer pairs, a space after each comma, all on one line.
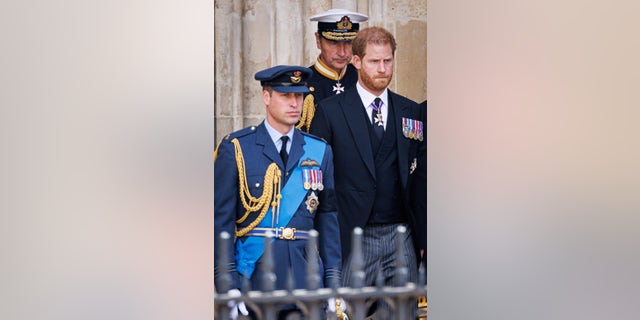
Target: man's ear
[[356, 61], [318, 40], [266, 97]]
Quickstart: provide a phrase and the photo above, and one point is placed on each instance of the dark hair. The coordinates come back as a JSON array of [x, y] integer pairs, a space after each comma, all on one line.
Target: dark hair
[[375, 35]]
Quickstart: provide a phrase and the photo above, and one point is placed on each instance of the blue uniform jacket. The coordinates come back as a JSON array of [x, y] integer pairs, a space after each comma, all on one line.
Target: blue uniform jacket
[[259, 152]]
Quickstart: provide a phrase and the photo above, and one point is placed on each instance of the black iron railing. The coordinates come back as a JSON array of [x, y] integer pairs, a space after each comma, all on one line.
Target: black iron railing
[[406, 299]]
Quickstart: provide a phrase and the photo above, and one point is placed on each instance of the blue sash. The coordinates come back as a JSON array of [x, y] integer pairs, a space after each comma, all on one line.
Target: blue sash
[[293, 193]]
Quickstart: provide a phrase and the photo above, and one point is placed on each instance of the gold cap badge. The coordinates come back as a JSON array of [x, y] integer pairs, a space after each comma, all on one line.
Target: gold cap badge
[[296, 77], [344, 24]]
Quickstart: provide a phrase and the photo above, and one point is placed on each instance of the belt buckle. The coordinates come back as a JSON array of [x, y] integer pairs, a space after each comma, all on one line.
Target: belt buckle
[[288, 233]]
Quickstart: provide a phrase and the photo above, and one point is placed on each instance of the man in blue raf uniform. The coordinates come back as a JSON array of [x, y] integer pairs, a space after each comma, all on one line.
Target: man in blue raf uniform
[[332, 72], [275, 178]]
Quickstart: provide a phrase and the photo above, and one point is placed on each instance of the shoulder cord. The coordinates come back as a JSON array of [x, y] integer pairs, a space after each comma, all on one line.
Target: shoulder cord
[[308, 110], [272, 181]]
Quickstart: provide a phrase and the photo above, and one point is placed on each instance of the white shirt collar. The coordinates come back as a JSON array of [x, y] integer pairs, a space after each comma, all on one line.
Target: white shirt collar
[[275, 136], [367, 97]]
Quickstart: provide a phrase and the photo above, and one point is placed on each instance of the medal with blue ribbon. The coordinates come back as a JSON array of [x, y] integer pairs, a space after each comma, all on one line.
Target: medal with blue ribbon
[[306, 178], [412, 129]]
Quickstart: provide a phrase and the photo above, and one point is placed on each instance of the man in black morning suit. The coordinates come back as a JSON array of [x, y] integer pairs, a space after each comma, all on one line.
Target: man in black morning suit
[[380, 183]]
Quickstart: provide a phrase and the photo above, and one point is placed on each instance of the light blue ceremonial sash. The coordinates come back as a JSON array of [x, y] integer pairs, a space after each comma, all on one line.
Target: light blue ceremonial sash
[[293, 193]]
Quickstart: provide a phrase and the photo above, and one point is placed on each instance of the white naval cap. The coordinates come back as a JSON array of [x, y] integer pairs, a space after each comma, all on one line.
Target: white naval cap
[[335, 15], [339, 24]]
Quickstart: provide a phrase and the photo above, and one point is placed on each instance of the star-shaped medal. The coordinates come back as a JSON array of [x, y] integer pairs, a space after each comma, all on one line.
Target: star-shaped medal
[[338, 88], [312, 202], [378, 119]]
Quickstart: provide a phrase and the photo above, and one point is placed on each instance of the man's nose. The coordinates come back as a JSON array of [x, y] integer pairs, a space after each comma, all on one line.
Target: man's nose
[[293, 100], [342, 49]]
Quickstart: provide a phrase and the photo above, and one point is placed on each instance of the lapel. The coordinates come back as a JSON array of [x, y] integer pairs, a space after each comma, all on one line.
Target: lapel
[[353, 111], [268, 148], [401, 110], [296, 150]]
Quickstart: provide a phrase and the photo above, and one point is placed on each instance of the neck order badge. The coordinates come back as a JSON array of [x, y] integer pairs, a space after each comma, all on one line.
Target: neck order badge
[[376, 118]]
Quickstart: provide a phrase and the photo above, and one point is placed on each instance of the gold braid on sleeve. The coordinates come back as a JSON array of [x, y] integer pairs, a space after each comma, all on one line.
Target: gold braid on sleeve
[[270, 194], [308, 110]]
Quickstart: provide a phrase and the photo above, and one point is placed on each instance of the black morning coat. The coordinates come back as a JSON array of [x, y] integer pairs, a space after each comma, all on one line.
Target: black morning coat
[[342, 121]]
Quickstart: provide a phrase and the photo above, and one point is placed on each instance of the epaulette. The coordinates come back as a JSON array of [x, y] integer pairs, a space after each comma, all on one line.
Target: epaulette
[[312, 136], [240, 133]]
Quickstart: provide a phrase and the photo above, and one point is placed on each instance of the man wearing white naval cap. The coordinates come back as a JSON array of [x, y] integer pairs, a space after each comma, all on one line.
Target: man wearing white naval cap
[[332, 72]]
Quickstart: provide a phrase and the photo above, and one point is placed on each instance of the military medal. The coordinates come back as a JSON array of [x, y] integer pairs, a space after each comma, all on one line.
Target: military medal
[[312, 202], [320, 184], [311, 175], [412, 129], [378, 119], [306, 179], [314, 179], [405, 127], [417, 129], [338, 88]]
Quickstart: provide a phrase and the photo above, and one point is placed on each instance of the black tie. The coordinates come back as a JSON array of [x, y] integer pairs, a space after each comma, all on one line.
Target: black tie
[[377, 127], [283, 151]]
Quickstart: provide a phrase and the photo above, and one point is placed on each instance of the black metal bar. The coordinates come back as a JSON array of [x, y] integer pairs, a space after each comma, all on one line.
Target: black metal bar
[[357, 274], [357, 259], [268, 276], [313, 277], [224, 279], [225, 282], [313, 267], [402, 271]]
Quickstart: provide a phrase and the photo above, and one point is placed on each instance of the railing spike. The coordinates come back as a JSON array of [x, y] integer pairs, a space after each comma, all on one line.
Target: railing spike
[[225, 282], [402, 270], [313, 266], [357, 259], [268, 276]]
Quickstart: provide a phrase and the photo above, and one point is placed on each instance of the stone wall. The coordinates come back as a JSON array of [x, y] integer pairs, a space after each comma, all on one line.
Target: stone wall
[[251, 35]]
